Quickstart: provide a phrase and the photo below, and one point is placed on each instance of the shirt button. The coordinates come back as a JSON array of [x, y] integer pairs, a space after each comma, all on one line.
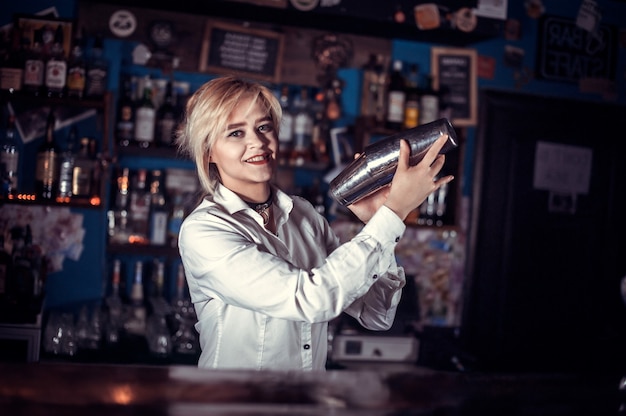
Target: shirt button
[[307, 347], [375, 276]]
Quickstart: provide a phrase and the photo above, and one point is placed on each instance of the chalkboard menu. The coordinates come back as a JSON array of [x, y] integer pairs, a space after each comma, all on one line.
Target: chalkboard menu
[[454, 70], [568, 53], [242, 51]]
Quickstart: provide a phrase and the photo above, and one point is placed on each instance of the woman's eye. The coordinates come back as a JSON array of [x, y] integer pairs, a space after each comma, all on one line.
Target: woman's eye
[[266, 128], [236, 133]]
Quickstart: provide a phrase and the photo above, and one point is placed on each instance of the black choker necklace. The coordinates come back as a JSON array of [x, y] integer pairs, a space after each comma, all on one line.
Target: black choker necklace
[[263, 209]]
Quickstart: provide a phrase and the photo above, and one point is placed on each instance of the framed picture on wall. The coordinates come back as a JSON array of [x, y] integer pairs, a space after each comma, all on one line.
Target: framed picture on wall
[[44, 28], [454, 73]]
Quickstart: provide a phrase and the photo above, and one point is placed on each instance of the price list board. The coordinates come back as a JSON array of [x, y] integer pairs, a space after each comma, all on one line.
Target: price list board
[[233, 49], [455, 71]]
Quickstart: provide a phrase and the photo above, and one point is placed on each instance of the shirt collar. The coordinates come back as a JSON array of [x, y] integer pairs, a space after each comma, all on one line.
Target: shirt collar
[[232, 203]]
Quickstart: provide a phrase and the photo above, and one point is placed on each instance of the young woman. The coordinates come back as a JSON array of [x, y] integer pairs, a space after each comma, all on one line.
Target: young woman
[[265, 271]]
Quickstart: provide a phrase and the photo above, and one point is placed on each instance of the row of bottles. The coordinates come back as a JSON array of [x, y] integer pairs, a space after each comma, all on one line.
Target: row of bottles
[[140, 309], [303, 133], [65, 169], [399, 97], [143, 211], [142, 120], [22, 267], [44, 68]]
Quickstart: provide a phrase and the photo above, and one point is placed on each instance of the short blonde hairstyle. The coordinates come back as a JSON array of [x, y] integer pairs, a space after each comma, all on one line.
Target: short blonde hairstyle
[[206, 115]]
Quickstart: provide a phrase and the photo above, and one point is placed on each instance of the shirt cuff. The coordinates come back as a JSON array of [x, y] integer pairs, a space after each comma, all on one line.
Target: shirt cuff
[[385, 226]]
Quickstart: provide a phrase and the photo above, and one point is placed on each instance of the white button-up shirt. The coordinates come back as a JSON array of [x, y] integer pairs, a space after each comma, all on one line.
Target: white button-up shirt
[[263, 301]]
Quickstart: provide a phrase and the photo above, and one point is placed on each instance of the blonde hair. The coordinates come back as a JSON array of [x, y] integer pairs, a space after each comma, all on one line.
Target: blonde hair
[[206, 116]]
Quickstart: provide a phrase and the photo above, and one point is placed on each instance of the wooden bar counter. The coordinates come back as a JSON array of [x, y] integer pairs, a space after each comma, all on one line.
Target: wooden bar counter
[[94, 389]]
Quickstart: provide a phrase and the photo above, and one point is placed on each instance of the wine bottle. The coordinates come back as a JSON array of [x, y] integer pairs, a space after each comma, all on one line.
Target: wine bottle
[[145, 117], [125, 120], [396, 97], [166, 119], [46, 171], [158, 210], [12, 64], [10, 160]]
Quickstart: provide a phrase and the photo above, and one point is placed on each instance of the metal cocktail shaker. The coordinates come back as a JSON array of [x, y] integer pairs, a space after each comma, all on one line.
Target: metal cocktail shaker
[[375, 167]]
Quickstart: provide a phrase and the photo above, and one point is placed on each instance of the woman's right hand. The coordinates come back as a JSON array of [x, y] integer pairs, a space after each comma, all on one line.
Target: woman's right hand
[[411, 185]]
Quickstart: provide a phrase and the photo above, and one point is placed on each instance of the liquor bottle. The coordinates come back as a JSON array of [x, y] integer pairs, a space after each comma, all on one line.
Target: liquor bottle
[[118, 220], [411, 106], [67, 160], [158, 210], [55, 80], [139, 209], [113, 301], [181, 304], [156, 299], [76, 70], [429, 102], [12, 64], [135, 323], [302, 128], [84, 165], [175, 220], [157, 332], [97, 75], [396, 97], [145, 117], [125, 120], [166, 118], [35, 67], [185, 338], [285, 136], [46, 172], [369, 90], [10, 160]]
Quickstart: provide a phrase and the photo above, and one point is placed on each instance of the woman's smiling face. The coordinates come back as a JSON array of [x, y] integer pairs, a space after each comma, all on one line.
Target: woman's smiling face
[[245, 153]]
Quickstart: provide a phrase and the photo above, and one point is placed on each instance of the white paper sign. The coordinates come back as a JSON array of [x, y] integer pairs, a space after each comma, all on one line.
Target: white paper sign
[[562, 168]]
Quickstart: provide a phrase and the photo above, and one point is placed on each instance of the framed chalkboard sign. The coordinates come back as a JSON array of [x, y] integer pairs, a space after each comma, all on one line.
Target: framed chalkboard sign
[[454, 71], [232, 49]]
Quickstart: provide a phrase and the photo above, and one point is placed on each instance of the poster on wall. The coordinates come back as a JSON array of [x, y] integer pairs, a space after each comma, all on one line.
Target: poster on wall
[[454, 71]]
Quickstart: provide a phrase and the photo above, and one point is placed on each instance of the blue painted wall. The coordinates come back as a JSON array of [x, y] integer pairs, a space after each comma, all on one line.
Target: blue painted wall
[[83, 279]]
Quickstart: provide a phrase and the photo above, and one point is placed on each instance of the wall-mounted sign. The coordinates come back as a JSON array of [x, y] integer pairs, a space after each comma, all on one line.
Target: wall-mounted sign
[[455, 71], [232, 49], [569, 53]]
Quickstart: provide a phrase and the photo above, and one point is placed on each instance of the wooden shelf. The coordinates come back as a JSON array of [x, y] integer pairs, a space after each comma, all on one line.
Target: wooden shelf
[[143, 250]]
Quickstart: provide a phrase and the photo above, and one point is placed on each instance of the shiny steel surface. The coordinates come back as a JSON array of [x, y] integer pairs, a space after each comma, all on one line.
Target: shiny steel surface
[[375, 167]]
